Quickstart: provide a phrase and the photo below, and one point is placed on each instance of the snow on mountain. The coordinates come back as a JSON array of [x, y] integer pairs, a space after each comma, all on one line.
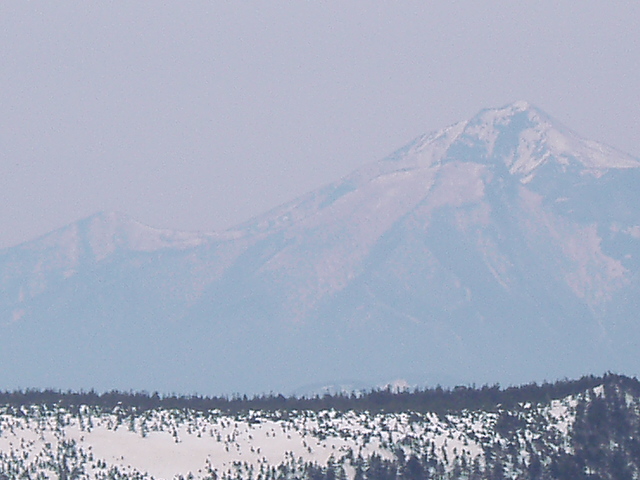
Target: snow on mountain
[[501, 248], [538, 139], [102, 234], [454, 167], [61, 254]]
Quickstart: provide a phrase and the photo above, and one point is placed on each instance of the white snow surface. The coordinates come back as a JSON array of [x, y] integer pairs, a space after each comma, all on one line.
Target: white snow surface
[[164, 444]]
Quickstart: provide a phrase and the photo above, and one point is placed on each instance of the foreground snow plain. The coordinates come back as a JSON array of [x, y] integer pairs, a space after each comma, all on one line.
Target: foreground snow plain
[[174, 444]]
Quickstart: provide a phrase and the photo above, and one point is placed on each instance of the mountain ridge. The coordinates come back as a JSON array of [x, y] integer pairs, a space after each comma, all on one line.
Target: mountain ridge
[[501, 248]]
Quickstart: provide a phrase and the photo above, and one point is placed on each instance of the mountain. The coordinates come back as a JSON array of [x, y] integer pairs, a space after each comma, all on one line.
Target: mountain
[[504, 248], [583, 429]]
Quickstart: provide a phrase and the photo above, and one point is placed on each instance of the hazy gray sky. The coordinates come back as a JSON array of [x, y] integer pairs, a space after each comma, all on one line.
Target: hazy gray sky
[[197, 115]]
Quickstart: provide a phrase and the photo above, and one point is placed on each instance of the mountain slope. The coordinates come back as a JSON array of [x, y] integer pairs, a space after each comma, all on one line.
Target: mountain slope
[[502, 248]]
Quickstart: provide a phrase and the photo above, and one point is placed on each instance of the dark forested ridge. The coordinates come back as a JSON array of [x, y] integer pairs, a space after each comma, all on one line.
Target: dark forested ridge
[[581, 429], [437, 399]]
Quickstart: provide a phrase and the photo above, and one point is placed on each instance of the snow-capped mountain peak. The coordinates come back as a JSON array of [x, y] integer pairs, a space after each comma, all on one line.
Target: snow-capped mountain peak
[[501, 248], [518, 135], [525, 137]]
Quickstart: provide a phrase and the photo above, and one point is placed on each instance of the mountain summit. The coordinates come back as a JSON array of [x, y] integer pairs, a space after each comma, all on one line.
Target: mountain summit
[[524, 138], [504, 248]]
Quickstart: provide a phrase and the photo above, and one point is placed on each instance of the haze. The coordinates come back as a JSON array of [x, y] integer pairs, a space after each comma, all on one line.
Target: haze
[[199, 115]]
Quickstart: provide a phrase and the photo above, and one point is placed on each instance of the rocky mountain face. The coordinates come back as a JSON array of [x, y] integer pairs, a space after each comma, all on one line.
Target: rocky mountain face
[[586, 429], [503, 249]]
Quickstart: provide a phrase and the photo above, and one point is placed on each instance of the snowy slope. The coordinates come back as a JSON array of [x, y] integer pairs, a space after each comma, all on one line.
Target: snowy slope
[[89, 442]]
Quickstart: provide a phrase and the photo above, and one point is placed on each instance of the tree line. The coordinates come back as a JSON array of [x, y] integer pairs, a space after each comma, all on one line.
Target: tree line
[[437, 400]]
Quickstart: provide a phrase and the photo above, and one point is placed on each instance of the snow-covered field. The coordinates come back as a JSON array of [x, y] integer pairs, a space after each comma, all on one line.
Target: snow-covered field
[[167, 444]]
